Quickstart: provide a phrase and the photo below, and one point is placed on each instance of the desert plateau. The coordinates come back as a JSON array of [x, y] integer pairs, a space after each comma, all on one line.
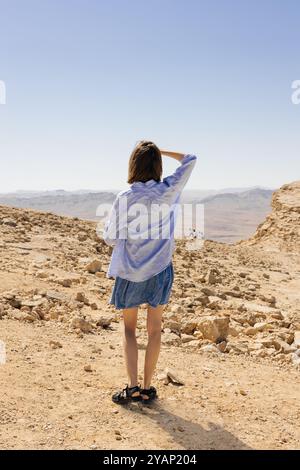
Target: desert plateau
[[229, 372]]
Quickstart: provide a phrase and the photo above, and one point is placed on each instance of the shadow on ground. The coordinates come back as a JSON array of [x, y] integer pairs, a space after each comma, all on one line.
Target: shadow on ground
[[187, 433]]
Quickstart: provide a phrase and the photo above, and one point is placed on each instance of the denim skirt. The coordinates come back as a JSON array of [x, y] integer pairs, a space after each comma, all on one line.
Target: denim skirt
[[154, 291]]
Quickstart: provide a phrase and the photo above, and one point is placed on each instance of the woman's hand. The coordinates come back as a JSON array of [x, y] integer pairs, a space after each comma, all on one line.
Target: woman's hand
[[177, 156]]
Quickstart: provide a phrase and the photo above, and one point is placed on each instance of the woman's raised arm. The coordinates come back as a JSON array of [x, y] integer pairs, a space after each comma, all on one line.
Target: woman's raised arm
[[176, 155]]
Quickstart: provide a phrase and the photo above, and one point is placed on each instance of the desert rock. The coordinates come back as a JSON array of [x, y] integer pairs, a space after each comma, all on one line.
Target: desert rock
[[82, 324], [214, 328], [94, 266]]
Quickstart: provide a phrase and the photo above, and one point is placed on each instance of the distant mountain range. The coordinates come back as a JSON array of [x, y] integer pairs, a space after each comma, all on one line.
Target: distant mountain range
[[82, 204], [230, 217], [192, 194], [231, 214]]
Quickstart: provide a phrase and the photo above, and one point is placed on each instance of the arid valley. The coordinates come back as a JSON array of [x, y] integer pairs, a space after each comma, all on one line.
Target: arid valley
[[229, 372]]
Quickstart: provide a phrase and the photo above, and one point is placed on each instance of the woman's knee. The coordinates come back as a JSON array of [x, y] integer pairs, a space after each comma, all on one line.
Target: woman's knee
[[129, 331], [154, 331]]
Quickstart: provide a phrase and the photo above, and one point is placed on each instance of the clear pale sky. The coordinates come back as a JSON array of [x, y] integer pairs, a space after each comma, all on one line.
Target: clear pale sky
[[86, 79]]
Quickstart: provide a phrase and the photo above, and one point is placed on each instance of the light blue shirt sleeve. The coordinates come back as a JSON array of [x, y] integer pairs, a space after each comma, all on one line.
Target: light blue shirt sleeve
[[179, 178]]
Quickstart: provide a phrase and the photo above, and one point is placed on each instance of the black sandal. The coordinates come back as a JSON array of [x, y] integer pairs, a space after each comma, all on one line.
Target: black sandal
[[151, 393], [126, 395]]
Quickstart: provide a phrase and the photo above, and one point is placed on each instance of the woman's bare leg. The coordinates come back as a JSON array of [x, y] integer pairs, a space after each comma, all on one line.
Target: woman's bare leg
[[154, 318], [130, 345]]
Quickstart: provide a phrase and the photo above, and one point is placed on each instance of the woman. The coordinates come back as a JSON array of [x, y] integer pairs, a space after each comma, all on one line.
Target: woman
[[141, 229]]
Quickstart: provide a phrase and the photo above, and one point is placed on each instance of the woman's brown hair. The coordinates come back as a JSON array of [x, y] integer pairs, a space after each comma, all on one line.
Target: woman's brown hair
[[145, 163]]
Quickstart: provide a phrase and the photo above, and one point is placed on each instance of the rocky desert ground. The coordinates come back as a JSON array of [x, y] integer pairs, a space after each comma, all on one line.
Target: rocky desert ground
[[229, 372]]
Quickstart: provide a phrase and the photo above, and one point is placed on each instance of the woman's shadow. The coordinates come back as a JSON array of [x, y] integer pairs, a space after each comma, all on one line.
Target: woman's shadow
[[188, 434]]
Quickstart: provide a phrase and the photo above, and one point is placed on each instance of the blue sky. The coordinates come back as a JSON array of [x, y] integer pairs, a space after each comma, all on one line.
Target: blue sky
[[86, 79]]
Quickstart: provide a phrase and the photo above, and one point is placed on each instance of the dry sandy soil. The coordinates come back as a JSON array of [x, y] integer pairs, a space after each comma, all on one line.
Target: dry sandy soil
[[231, 334]]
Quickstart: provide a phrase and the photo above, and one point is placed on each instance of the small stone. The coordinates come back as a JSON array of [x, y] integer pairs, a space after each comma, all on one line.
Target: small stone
[[222, 346], [94, 266], [210, 348], [81, 324], [234, 330], [163, 377], [187, 338], [295, 358], [173, 325], [278, 344], [232, 293], [88, 368], [24, 316], [177, 309], [53, 315], [55, 344], [42, 275], [263, 326], [66, 282], [82, 236], [192, 344], [172, 375], [2, 311], [277, 316], [189, 326], [170, 339], [57, 296], [15, 303], [252, 287], [80, 297], [104, 321], [8, 221], [32, 303], [250, 331], [208, 292], [297, 339], [210, 277]]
